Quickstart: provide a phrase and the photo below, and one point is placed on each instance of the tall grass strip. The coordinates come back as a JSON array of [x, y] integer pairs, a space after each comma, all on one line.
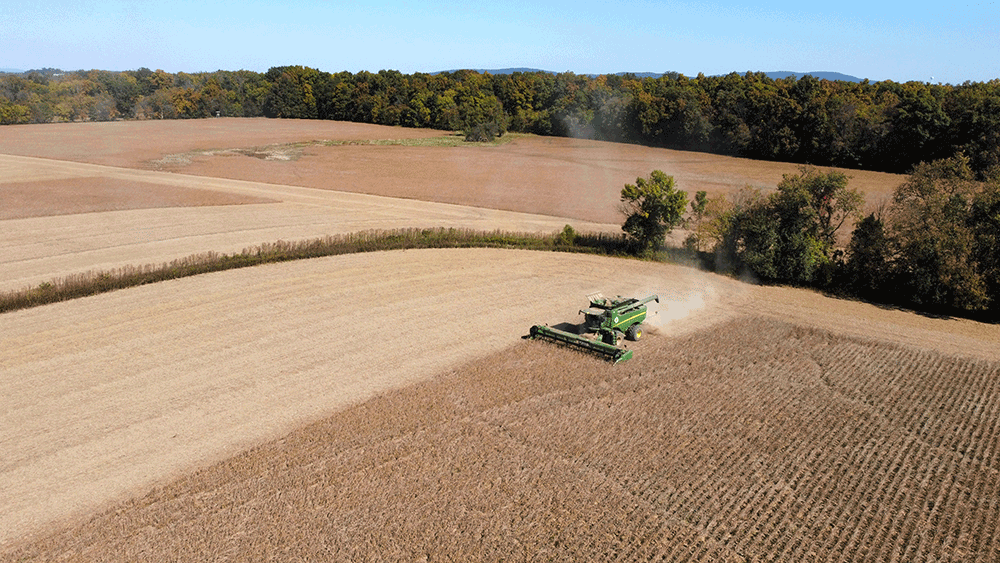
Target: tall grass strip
[[96, 282]]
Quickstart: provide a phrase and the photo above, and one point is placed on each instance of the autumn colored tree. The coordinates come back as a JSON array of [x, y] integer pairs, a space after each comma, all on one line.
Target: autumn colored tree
[[291, 93], [877, 126]]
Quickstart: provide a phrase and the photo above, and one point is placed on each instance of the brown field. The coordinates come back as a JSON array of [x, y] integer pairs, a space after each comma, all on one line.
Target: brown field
[[73, 242], [383, 406], [569, 178], [90, 195], [758, 440]]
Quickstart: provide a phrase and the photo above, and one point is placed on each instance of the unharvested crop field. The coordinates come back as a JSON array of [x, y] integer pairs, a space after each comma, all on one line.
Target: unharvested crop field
[[758, 440], [384, 406]]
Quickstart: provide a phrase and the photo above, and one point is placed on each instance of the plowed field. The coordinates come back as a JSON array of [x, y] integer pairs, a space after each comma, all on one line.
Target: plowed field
[[384, 406]]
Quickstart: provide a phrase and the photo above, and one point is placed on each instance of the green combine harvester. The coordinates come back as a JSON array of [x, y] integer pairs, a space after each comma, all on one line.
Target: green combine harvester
[[608, 320]]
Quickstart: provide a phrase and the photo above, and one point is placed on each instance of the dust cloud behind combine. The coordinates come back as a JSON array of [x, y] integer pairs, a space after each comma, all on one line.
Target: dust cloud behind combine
[[675, 306], [691, 300]]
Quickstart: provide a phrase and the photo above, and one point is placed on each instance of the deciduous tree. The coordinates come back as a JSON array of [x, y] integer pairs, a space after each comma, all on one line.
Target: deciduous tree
[[652, 207], [790, 235], [930, 214], [868, 270]]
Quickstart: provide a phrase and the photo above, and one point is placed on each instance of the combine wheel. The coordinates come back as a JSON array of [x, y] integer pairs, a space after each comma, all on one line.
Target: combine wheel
[[634, 332]]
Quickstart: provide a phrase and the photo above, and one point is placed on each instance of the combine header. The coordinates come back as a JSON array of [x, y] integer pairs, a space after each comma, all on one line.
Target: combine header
[[609, 320]]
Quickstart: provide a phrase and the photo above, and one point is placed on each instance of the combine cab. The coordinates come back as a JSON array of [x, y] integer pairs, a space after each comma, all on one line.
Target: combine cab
[[605, 323]]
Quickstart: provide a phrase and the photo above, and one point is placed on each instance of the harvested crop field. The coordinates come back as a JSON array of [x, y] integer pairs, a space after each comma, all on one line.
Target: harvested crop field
[[71, 242], [90, 195], [383, 406], [115, 393], [571, 178], [757, 440]]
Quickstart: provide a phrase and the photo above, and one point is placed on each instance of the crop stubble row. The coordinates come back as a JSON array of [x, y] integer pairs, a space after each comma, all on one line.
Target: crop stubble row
[[761, 441]]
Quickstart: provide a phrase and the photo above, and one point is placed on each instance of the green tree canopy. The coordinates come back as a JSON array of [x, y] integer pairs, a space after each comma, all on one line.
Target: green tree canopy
[[292, 93], [652, 207], [936, 241], [877, 126], [825, 198], [748, 235], [867, 270], [936, 246], [790, 236]]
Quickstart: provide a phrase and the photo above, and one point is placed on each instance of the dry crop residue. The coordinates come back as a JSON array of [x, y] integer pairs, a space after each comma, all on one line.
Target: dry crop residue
[[114, 394], [89, 195], [757, 440], [572, 178]]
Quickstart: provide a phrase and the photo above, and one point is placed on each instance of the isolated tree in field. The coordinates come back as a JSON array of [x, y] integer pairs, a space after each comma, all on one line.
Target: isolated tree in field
[[652, 207], [482, 132]]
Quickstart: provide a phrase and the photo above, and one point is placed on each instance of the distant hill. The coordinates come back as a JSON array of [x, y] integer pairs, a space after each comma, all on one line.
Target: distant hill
[[776, 75], [501, 70]]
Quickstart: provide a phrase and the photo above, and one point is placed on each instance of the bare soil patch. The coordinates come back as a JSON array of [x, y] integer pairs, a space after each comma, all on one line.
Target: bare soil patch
[[756, 440], [94, 194], [552, 176]]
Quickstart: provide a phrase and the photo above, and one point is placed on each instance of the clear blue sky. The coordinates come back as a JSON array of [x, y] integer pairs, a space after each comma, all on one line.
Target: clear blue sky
[[901, 41]]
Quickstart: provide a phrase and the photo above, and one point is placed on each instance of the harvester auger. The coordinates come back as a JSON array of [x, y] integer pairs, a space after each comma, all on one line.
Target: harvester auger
[[609, 320]]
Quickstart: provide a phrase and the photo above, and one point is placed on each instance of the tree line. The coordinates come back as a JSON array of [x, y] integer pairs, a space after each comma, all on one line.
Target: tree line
[[884, 126], [934, 247]]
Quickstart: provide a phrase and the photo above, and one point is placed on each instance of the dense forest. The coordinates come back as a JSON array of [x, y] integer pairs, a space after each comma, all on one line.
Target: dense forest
[[884, 126]]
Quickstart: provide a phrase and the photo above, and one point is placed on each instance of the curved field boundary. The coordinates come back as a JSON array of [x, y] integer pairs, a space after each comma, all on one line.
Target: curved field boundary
[[756, 440], [94, 283], [115, 393], [40, 249], [952, 336]]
